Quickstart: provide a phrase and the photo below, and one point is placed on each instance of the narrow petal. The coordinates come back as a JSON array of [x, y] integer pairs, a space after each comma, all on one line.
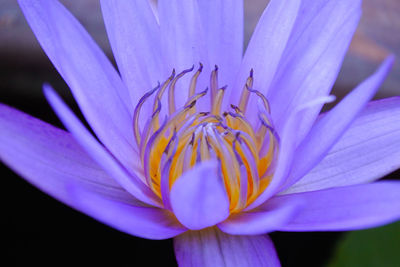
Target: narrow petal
[[266, 46], [128, 181], [369, 150], [147, 222], [211, 247], [135, 40], [198, 197], [183, 42], [327, 131], [313, 57], [95, 84], [345, 208], [223, 27], [52, 160], [266, 218]]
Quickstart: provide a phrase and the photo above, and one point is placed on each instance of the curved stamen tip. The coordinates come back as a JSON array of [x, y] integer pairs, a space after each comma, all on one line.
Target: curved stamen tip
[[251, 72], [223, 88], [158, 108], [149, 93], [235, 115], [236, 108], [215, 67], [182, 73], [188, 70], [191, 105], [200, 67]]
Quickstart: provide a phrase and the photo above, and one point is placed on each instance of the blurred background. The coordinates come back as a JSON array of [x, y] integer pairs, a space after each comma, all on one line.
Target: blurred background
[[38, 229]]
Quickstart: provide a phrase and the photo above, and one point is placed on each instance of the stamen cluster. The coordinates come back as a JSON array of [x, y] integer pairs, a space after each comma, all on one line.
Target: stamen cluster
[[247, 154]]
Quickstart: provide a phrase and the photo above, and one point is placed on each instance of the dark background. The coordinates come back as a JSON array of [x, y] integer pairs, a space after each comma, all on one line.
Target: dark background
[[38, 230]]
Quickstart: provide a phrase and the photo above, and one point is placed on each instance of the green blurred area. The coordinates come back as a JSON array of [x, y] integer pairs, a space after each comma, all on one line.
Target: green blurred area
[[374, 247]]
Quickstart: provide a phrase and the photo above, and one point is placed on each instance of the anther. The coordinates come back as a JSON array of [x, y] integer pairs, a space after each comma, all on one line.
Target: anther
[[236, 109]]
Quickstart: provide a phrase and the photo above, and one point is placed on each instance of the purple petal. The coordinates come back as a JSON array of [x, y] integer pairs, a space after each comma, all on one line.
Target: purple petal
[[266, 46], [369, 150], [327, 131], [198, 197], [97, 87], [211, 247], [130, 182], [52, 160], [312, 58], [223, 27], [345, 208], [183, 42], [135, 39], [264, 219], [147, 222]]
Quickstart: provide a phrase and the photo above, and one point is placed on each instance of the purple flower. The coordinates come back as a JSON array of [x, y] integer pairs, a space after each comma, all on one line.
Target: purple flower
[[218, 153]]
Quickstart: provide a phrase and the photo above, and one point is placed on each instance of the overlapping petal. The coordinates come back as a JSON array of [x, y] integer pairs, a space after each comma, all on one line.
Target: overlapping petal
[[183, 42], [97, 87], [345, 208], [53, 161], [369, 150], [223, 27], [134, 35], [211, 247], [312, 58], [50, 158], [198, 197], [266, 47], [266, 218], [327, 131], [130, 182], [147, 222]]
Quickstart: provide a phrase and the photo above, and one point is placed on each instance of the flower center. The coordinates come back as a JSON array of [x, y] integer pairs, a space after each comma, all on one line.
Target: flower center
[[187, 136]]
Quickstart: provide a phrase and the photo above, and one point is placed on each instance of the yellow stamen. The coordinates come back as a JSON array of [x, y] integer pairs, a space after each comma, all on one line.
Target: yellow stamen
[[246, 156], [244, 98]]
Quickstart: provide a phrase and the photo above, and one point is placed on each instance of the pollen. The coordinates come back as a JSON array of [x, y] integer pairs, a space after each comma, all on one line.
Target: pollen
[[173, 140]]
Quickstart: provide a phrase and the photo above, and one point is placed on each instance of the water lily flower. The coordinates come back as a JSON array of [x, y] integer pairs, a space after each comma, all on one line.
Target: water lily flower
[[197, 142]]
